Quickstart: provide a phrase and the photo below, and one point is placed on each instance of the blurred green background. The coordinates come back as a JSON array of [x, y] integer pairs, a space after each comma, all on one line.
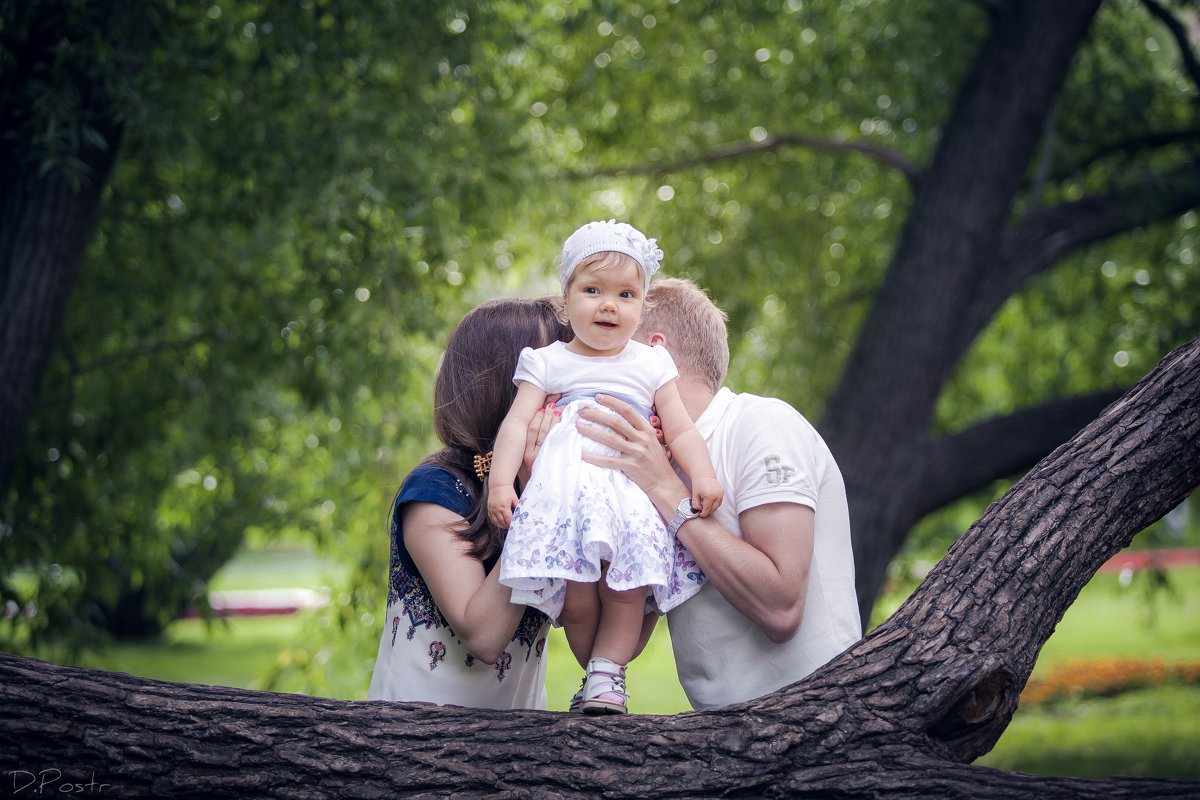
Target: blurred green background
[[309, 195]]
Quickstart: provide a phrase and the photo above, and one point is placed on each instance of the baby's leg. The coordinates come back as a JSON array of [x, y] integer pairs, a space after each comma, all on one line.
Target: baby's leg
[[620, 627], [579, 618], [617, 638]]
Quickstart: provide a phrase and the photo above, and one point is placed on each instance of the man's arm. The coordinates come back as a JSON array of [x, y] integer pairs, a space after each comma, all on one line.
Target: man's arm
[[764, 575]]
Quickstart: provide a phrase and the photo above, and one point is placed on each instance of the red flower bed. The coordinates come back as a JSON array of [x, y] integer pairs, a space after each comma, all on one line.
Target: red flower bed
[[1100, 677]]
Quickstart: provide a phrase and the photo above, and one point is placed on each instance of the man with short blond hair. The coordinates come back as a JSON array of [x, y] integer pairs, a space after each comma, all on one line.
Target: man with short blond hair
[[777, 552], [699, 343]]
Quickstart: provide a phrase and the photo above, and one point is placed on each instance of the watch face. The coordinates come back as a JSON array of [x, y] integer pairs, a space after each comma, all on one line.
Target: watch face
[[684, 512]]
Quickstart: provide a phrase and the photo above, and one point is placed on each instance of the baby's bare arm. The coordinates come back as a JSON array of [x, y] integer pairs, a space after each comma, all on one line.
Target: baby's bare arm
[[508, 453], [688, 449]]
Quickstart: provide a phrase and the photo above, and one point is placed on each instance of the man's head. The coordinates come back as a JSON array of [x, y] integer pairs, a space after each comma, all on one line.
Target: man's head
[[693, 326]]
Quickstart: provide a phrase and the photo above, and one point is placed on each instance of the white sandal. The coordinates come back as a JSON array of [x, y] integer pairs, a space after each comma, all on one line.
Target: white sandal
[[604, 688], [577, 698]]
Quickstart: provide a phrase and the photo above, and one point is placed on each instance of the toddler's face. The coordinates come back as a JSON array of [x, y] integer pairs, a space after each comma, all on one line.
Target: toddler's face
[[604, 304]]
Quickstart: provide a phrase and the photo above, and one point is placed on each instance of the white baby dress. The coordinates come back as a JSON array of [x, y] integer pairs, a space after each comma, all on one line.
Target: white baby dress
[[573, 514]]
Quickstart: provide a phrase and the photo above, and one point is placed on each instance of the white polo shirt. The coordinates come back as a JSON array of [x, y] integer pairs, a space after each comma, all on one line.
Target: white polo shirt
[[765, 451]]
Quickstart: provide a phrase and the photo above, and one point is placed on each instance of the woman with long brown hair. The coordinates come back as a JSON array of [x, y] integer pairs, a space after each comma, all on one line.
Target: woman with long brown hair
[[450, 633]]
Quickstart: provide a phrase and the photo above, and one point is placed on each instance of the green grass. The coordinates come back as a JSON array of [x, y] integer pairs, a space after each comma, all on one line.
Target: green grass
[[241, 651], [1109, 619], [1153, 732], [233, 652], [1150, 732]]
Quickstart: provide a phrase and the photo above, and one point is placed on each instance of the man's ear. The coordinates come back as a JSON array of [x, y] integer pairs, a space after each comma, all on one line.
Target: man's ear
[[657, 338]]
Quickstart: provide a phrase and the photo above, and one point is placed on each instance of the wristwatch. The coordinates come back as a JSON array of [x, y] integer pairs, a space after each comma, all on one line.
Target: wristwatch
[[683, 513]]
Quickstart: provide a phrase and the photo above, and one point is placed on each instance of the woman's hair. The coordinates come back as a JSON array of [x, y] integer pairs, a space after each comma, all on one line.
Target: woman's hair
[[474, 389], [695, 326]]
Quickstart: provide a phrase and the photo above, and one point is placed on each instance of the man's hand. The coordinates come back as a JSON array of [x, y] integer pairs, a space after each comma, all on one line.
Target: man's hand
[[642, 459]]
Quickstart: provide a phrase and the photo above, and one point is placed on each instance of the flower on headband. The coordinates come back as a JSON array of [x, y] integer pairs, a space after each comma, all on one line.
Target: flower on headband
[[614, 237]]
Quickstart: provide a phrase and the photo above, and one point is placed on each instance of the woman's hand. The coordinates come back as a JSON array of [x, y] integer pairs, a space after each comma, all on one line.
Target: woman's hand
[[543, 420], [642, 459]]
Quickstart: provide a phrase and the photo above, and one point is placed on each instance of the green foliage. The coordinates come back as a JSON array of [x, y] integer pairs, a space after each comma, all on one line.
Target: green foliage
[[65, 77], [309, 195], [791, 240], [250, 343]]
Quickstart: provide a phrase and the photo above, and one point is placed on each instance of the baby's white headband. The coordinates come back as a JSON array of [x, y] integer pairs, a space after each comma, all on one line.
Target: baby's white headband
[[614, 237]]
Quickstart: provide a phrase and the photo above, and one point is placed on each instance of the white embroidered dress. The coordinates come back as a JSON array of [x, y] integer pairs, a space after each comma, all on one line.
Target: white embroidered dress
[[573, 515]]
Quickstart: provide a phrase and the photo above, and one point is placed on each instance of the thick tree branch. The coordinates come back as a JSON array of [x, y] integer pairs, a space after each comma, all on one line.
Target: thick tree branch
[[920, 323], [1051, 233], [1014, 573], [1133, 146], [968, 461], [1047, 235], [52, 176], [951, 235], [889, 157], [211, 742], [1180, 35]]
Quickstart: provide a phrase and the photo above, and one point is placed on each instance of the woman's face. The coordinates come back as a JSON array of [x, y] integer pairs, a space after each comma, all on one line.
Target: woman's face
[[604, 305]]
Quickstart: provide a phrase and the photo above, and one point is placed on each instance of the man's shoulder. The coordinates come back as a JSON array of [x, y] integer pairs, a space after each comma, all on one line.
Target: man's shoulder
[[747, 408], [752, 422]]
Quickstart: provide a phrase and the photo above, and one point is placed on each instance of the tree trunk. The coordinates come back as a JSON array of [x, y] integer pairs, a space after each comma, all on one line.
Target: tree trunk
[[926, 314], [44, 226], [898, 715], [46, 215]]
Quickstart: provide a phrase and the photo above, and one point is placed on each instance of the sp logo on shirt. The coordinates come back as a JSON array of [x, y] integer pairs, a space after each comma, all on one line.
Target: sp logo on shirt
[[777, 473]]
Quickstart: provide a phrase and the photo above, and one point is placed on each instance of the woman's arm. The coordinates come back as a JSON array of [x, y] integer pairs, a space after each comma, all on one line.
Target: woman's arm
[[473, 601]]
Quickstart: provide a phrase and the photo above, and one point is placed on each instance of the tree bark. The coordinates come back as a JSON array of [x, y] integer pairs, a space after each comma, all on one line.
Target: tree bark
[[48, 203], [898, 715]]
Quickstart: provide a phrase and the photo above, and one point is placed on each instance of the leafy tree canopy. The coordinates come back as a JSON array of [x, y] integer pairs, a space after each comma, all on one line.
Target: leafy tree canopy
[[308, 196]]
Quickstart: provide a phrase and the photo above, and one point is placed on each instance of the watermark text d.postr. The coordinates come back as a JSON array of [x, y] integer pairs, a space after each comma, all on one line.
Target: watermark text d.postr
[[32, 783]]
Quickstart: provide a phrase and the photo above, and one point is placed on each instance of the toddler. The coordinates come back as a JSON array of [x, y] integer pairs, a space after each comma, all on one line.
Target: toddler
[[585, 544]]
